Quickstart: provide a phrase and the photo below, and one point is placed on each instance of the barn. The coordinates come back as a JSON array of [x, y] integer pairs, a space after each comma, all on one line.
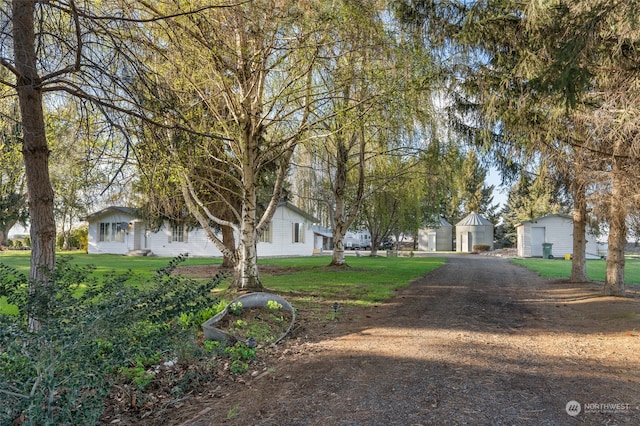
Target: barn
[[554, 229], [436, 237], [473, 230]]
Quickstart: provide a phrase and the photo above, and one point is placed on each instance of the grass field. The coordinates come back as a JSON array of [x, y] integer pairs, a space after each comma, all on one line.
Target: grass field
[[595, 269], [364, 280]]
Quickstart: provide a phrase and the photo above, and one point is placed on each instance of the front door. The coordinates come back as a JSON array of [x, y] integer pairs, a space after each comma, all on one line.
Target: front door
[[537, 238], [466, 241], [431, 241]]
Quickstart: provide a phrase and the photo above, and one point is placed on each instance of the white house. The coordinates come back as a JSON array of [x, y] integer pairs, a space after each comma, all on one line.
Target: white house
[[119, 230], [556, 229]]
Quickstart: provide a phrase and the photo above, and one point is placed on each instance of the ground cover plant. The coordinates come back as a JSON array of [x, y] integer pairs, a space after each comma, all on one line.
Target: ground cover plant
[[119, 326], [596, 269], [102, 267]]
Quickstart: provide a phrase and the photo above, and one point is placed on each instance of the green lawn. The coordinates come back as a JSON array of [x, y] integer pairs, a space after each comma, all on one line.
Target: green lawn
[[365, 280], [595, 269]]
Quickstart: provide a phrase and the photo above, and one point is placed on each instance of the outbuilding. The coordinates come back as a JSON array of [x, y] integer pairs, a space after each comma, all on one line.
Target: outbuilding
[[473, 230], [555, 232], [437, 236]]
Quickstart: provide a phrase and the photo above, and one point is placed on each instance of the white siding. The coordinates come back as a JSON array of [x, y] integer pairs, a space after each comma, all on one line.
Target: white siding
[[114, 247], [196, 243], [282, 235], [558, 231]]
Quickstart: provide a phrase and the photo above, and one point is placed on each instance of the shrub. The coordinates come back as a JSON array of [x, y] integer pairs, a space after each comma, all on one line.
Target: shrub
[[481, 247], [78, 238], [88, 339]]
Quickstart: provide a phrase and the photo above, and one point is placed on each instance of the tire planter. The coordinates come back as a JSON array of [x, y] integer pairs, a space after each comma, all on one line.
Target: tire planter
[[251, 300]]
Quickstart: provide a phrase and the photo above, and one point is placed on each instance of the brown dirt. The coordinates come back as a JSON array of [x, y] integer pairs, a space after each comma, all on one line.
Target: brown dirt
[[478, 341]]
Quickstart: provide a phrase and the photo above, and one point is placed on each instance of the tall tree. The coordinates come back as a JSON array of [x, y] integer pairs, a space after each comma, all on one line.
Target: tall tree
[[29, 86], [513, 83], [593, 69], [247, 68], [63, 47], [370, 73], [77, 176]]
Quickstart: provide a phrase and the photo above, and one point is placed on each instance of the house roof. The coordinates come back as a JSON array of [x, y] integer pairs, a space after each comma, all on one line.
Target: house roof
[[134, 212], [321, 230], [474, 219], [563, 216], [109, 210], [299, 211]]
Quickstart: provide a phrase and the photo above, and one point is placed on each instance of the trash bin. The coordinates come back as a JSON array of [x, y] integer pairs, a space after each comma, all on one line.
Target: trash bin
[[546, 251]]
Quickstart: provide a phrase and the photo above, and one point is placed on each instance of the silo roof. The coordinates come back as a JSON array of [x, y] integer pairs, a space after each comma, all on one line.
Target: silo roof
[[443, 222], [474, 219]]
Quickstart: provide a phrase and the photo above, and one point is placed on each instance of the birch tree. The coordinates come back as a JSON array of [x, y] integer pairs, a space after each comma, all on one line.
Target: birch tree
[[248, 68]]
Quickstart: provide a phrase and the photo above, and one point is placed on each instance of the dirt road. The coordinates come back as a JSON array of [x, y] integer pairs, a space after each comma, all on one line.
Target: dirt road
[[479, 341]]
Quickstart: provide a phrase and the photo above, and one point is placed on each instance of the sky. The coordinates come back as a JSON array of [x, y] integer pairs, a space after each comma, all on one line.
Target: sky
[[500, 193]]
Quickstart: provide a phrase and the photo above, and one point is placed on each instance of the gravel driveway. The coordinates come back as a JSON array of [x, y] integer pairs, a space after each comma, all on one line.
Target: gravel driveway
[[478, 341]]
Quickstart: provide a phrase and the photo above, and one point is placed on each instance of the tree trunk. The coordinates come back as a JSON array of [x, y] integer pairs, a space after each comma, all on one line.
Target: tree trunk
[[338, 258], [340, 223], [578, 263], [614, 280], [34, 146], [246, 276], [4, 236], [229, 240], [246, 272]]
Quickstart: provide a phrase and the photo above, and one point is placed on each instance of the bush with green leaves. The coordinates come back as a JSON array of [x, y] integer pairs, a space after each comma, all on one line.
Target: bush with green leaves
[[78, 238], [92, 332]]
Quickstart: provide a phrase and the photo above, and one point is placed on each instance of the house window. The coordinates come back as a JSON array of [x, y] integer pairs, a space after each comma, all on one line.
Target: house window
[[110, 231], [266, 235], [178, 234], [298, 232], [105, 231]]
